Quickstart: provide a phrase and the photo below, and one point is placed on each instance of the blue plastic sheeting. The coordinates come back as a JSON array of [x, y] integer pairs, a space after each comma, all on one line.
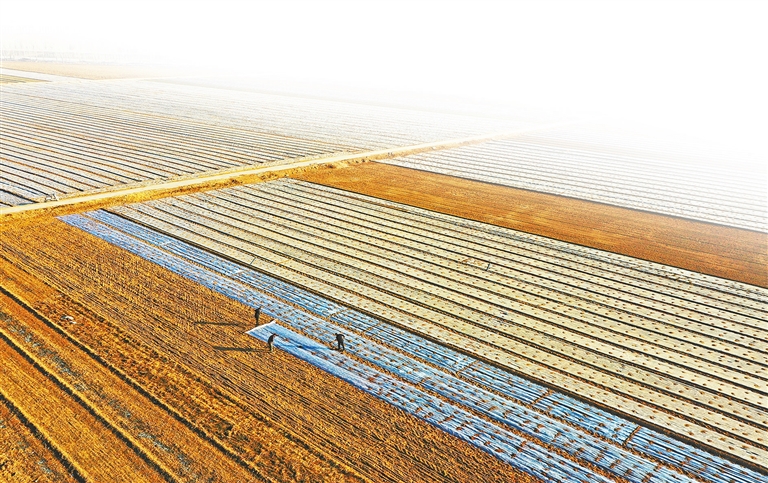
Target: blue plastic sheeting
[[420, 347], [355, 320], [426, 407], [504, 382], [503, 444], [700, 463], [587, 416], [501, 409], [288, 292], [579, 414]]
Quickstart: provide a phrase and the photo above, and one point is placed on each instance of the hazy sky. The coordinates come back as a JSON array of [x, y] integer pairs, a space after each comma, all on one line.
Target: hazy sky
[[700, 65]]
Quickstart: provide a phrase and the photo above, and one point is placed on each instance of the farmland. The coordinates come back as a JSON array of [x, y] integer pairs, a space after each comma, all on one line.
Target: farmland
[[89, 71], [12, 79], [278, 418], [724, 252], [74, 137], [425, 266], [716, 192], [562, 301]]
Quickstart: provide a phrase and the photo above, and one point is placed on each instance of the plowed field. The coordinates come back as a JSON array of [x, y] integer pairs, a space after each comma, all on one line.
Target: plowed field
[[730, 253], [160, 368], [23, 456]]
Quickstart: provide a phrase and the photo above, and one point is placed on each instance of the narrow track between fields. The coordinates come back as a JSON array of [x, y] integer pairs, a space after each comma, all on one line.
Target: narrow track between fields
[[203, 179]]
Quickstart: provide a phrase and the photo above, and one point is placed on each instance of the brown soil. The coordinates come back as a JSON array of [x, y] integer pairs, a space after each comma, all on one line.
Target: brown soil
[[90, 71], [185, 347], [25, 458], [94, 451], [725, 252]]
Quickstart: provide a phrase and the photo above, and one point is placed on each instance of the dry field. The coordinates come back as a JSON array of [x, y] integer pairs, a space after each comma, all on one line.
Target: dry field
[[572, 303], [163, 365], [731, 253]]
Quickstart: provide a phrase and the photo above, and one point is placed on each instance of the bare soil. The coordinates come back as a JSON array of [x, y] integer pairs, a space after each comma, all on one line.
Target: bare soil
[[721, 251], [184, 347]]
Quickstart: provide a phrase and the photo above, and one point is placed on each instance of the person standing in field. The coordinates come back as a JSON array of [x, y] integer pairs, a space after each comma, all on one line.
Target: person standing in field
[[271, 341], [340, 342], [257, 314]]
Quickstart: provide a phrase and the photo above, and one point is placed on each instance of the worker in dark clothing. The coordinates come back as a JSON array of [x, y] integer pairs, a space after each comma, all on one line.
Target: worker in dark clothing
[[340, 342], [257, 314], [270, 342]]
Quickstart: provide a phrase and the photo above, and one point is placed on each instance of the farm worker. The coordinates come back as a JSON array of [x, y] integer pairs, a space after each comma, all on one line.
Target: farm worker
[[340, 342], [257, 314], [270, 341]]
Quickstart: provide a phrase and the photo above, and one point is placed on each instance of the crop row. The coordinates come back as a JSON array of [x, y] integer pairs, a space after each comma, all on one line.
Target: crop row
[[346, 123], [143, 420], [499, 395], [58, 147], [709, 193], [643, 140], [722, 370], [564, 339]]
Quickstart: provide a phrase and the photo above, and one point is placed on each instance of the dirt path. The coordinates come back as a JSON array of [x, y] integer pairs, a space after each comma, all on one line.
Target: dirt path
[[185, 345], [715, 250]]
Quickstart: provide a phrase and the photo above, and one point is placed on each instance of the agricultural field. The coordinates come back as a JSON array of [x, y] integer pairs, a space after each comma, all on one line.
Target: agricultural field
[[166, 362], [527, 304], [611, 170], [568, 301], [725, 252], [76, 137]]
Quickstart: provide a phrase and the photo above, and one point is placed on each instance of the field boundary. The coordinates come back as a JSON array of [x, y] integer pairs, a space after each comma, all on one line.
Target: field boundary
[[271, 168]]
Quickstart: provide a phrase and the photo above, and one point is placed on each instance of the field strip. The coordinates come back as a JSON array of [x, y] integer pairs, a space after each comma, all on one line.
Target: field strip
[[471, 253], [243, 281], [367, 127], [698, 287], [748, 369], [576, 361], [515, 265], [160, 434], [24, 449], [496, 440], [202, 180], [454, 302], [516, 363], [95, 449]]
